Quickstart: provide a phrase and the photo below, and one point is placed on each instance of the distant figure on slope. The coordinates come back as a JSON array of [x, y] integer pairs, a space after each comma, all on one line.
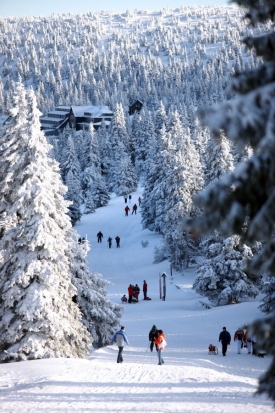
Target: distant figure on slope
[[109, 240], [127, 209], [117, 241], [134, 209], [125, 199], [239, 336], [136, 291], [130, 197], [161, 344], [248, 343], [144, 289], [225, 339], [130, 293], [120, 338], [124, 299], [153, 333], [99, 236], [139, 201]]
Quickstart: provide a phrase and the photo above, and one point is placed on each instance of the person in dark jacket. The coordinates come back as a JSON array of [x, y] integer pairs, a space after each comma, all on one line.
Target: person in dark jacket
[[144, 289], [99, 236], [117, 241], [134, 209], [225, 339], [126, 209], [109, 240], [136, 291], [152, 336]]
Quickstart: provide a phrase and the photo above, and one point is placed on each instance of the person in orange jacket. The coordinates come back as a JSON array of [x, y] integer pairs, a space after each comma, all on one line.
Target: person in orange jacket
[[161, 344], [127, 209]]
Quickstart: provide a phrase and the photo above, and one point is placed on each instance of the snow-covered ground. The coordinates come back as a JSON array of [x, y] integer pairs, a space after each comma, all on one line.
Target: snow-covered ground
[[189, 381]]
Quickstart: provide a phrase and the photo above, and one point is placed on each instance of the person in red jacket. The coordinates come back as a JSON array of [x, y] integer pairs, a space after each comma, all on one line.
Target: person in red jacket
[[127, 209], [130, 293], [144, 289], [161, 344]]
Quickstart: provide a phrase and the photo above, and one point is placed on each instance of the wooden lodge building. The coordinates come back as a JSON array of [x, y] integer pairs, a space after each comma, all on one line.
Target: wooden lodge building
[[78, 117]]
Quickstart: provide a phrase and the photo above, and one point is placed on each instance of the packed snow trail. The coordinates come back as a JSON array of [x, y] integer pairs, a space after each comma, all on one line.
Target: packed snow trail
[[190, 381]]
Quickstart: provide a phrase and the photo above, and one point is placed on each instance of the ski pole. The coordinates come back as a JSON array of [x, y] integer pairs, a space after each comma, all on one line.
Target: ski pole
[[148, 346]]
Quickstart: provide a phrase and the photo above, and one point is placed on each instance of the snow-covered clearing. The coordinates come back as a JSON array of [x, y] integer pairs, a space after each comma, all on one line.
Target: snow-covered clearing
[[189, 381]]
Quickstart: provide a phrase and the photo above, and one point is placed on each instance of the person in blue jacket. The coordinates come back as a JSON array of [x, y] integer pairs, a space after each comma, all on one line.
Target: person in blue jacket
[[120, 338]]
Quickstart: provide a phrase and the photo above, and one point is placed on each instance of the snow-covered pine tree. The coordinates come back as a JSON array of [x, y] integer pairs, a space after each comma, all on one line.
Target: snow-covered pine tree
[[99, 314], [223, 276], [243, 201], [38, 316], [70, 170], [122, 179], [95, 189]]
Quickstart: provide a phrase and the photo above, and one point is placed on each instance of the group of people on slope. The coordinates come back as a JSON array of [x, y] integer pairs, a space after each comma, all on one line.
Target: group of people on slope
[[127, 210], [156, 337], [130, 198], [242, 339], [133, 293], [109, 240]]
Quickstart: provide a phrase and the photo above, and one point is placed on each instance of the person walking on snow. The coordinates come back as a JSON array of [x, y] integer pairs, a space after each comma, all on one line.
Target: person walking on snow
[[109, 240], [134, 209], [139, 201], [130, 197], [99, 236], [239, 336], [153, 333], [161, 344], [120, 338], [225, 338], [144, 289], [117, 241], [127, 209]]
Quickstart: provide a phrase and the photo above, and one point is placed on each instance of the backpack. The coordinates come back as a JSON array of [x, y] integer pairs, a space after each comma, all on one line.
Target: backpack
[[162, 345]]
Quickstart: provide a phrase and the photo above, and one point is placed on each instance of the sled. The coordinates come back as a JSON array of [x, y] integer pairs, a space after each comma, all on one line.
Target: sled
[[212, 349]]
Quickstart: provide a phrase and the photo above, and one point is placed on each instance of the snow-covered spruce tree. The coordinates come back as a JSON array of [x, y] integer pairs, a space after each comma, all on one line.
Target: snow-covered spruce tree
[[243, 201], [183, 181], [99, 315], [94, 186], [38, 318], [70, 170], [223, 276], [123, 179]]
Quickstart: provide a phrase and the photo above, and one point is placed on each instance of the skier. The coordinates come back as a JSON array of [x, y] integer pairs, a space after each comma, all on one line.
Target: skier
[[120, 338], [125, 199], [225, 338], [161, 344], [134, 209], [153, 333], [109, 240], [239, 336], [144, 289], [99, 236], [130, 197], [127, 209], [117, 241], [139, 201]]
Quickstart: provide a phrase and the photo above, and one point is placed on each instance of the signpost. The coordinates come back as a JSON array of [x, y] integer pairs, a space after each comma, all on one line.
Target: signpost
[[162, 286]]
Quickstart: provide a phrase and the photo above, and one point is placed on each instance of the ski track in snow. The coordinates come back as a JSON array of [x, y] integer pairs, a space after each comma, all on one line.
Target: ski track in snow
[[190, 381]]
